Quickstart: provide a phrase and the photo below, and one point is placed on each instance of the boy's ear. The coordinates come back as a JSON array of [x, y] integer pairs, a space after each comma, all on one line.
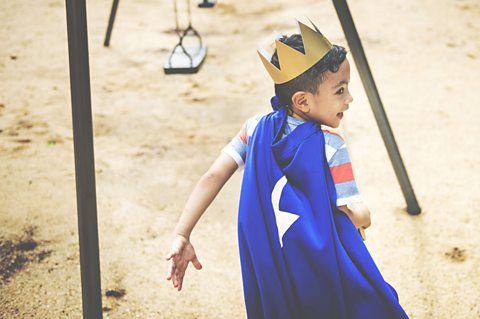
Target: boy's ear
[[300, 101]]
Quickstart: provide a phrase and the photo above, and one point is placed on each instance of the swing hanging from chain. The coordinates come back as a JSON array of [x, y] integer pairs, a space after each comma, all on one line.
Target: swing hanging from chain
[[185, 58]]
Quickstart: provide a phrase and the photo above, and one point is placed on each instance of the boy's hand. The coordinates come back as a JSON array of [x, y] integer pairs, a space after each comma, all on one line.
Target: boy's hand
[[359, 214], [181, 253]]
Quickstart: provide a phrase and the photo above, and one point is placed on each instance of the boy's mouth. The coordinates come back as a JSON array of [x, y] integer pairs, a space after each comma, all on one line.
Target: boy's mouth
[[340, 114]]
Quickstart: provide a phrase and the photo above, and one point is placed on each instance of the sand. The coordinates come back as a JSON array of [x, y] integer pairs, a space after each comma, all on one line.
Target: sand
[[155, 135]]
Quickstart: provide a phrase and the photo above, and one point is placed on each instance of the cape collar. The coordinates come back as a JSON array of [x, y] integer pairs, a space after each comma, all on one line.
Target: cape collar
[[284, 148]]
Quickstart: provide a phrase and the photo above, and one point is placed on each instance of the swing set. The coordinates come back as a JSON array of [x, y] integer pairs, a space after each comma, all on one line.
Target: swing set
[[185, 58], [182, 59]]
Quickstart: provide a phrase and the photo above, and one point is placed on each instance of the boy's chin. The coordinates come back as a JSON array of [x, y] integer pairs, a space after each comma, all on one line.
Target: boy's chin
[[332, 125], [335, 123]]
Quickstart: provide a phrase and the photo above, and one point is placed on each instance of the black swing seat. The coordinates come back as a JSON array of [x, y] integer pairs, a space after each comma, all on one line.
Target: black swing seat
[[207, 4], [186, 58]]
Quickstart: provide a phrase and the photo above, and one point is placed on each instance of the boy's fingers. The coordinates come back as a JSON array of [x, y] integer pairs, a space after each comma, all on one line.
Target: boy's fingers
[[180, 273], [175, 280], [169, 256], [180, 284], [172, 254], [171, 271], [196, 263]]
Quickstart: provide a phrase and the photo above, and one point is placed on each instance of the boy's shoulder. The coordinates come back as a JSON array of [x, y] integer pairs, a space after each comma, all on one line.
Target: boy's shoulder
[[257, 117], [333, 139], [252, 122], [333, 142]]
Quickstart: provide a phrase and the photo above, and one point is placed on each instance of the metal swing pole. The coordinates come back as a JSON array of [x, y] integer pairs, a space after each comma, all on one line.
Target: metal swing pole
[[111, 20], [84, 158], [360, 59]]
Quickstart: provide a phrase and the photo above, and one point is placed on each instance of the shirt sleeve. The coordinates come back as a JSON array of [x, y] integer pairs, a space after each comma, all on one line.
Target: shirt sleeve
[[238, 146], [342, 172]]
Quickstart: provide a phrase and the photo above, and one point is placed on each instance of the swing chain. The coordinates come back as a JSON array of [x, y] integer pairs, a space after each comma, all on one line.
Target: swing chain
[[182, 33]]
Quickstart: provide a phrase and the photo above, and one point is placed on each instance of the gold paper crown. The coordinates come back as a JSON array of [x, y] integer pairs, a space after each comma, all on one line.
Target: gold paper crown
[[293, 62]]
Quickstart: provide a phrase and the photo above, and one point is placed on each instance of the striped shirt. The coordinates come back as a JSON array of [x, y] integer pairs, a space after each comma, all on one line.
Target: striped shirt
[[335, 150]]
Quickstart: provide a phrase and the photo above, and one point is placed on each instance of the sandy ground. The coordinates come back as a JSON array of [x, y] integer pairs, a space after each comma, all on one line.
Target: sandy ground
[[156, 134]]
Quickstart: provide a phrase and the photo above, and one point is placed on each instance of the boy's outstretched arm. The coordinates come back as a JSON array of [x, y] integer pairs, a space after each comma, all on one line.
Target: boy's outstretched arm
[[201, 197], [204, 192]]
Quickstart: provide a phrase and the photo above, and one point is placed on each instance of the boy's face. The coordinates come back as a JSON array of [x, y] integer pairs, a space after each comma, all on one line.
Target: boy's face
[[331, 100]]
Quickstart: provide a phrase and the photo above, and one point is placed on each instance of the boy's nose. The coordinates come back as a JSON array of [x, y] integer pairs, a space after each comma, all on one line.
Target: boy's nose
[[350, 99]]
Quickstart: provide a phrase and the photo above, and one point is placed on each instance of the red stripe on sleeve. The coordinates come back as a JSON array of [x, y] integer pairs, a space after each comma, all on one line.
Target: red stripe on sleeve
[[243, 134], [342, 173]]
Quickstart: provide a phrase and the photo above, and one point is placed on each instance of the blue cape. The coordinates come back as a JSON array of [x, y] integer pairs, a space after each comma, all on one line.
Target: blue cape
[[301, 256]]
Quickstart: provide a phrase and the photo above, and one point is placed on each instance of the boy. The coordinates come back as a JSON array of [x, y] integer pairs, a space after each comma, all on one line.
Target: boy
[[301, 256]]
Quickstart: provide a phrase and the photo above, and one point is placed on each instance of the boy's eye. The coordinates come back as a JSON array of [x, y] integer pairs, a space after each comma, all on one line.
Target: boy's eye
[[340, 91]]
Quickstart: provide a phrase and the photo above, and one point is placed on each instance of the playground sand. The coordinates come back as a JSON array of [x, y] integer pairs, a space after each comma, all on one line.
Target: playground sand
[[156, 134]]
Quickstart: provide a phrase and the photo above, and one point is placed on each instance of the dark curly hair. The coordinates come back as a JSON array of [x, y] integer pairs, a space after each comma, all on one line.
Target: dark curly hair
[[310, 79]]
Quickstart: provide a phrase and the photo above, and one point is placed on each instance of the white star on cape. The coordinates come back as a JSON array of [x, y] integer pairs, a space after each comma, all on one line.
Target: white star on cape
[[284, 219]]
